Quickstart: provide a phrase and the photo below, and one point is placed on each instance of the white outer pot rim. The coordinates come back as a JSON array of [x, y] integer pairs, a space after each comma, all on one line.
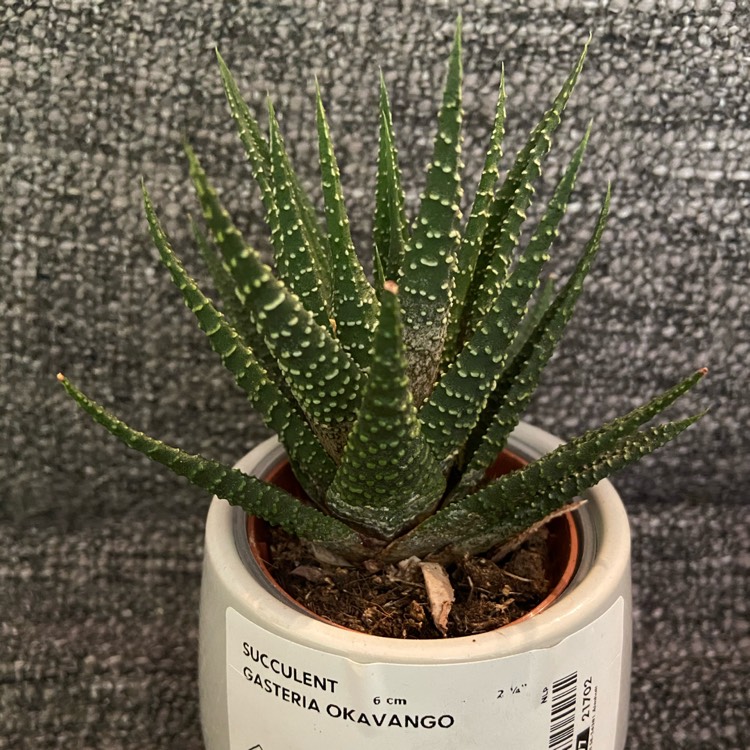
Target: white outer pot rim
[[585, 600]]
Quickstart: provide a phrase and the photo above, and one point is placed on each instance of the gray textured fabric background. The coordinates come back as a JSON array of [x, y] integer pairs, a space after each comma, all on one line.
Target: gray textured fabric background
[[100, 550]]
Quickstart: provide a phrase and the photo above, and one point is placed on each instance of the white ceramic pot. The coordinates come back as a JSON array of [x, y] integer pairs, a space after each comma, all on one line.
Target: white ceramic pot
[[274, 678]]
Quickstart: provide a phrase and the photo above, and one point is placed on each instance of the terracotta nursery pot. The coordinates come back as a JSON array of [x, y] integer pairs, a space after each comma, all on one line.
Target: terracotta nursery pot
[[275, 676]]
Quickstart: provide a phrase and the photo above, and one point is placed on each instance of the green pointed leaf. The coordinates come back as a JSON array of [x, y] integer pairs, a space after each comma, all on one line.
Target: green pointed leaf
[[381, 222], [232, 247], [388, 479], [533, 317], [315, 237], [517, 512], [237, 314], [259, 155], [310, 462], [518, 384], [509, 207], [425, 281], [321, 375], [378, 272], [468, 251], [355, 306], [253, 495], [516, 501], [226, 235], [390, 231], [256, 146], [295, 259], [459, 398]]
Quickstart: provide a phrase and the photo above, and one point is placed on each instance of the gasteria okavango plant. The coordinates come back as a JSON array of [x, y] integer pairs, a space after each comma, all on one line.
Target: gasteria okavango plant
[[392, 398]]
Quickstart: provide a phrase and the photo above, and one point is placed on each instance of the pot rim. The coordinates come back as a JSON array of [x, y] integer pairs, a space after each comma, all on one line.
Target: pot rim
[[604, 561]]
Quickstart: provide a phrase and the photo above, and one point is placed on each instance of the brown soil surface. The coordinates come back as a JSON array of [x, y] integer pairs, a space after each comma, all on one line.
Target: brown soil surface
[[388, 602]]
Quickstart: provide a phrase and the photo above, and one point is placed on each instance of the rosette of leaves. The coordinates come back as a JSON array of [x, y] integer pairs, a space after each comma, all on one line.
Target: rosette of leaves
[[393, 397]]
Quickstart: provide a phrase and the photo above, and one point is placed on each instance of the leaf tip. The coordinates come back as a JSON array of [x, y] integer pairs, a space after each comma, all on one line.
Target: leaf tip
[[383, 89], [390, 286]]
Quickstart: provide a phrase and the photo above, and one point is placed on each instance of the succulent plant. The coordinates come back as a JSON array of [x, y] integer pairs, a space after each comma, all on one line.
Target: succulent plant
[[392, 398]]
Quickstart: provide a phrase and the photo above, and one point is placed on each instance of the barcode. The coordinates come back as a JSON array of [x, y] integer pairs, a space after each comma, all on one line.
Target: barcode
[[563, 715]]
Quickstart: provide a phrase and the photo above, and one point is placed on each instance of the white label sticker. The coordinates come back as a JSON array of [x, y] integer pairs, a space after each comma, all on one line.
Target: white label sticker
[[284, 696]]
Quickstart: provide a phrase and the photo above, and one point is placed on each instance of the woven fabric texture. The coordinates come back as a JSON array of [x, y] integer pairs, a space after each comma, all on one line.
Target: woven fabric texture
[[101, 550]]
